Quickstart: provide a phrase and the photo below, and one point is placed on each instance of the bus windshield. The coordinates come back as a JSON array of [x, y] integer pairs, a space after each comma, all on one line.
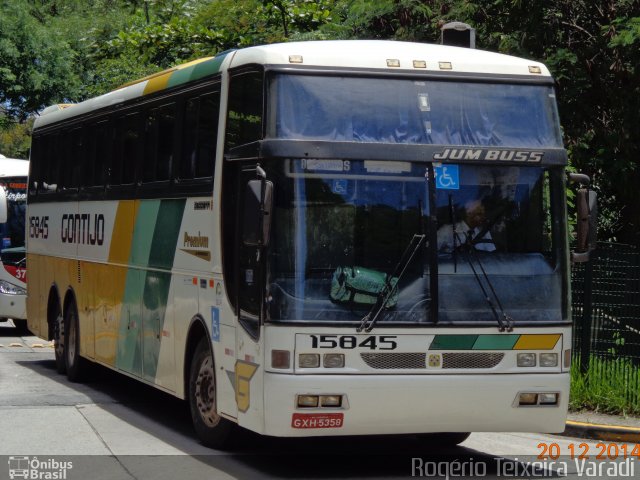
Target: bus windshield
[[340, 227], [395, 110], [12, 232], [496, 233]]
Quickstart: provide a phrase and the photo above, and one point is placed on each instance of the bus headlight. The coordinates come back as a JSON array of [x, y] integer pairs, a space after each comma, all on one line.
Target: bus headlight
[[548, 359], [333, 360], [548, 398], [308, 401], [331, 401], [11, 289], [309, 360], [526, 359], [528, 399]]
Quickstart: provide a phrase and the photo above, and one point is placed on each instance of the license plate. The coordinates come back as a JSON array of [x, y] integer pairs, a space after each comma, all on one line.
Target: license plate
[[317, 420]]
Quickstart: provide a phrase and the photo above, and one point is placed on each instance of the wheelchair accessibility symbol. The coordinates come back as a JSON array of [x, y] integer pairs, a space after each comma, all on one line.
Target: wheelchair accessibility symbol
[[447, 177]]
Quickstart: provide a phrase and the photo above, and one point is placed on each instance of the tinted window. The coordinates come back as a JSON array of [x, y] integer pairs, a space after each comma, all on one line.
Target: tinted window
[[159, 142], [102, 138], [73, 157], [200, 136], [127, 148], [244, 119]]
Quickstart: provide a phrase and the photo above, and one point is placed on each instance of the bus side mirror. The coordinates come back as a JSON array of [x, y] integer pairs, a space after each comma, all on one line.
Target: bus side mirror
[[587, 219], [258, 201], [3, 205]]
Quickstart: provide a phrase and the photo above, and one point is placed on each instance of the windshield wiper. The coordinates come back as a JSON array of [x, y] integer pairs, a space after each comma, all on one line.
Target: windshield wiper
[[384, 295], [505, 322]]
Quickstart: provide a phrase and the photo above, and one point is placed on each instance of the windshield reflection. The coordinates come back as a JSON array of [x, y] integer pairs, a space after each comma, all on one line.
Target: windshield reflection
[[497, 220], [340, 228]]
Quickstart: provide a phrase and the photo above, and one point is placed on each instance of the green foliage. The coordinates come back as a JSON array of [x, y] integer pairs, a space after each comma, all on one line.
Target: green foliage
[[15, 138], [36, 64], [68, 50], [609, 386]]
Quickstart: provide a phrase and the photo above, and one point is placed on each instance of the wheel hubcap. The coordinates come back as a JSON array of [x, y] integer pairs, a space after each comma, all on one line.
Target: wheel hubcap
[[205, 393]]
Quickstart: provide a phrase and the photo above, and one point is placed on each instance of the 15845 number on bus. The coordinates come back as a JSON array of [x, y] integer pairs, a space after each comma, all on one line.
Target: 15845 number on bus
[[372, 342]]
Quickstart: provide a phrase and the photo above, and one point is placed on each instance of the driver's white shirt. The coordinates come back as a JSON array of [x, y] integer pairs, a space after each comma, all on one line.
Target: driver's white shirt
[[445, 238]]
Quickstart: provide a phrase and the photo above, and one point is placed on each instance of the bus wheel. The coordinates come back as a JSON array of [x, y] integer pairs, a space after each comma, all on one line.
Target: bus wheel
[[74, 363], [58, 340], [212, 430], [443, 440]]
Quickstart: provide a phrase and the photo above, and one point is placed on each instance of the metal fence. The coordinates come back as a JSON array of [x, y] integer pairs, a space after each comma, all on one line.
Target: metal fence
[[606, 313]]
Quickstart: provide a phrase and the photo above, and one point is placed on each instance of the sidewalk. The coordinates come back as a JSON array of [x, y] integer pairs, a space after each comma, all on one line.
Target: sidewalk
[[598, 426]]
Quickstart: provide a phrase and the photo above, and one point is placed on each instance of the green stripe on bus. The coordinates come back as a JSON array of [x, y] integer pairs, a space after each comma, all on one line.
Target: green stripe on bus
[[196, 72], [157, 284], [495, 342], [129, 353], [154, 308], [207, 68], [453, 342], [143, 232], [165, 233]]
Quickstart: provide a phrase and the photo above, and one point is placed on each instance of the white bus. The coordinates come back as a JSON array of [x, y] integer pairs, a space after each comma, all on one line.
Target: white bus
[[13, 269], [264, 234]]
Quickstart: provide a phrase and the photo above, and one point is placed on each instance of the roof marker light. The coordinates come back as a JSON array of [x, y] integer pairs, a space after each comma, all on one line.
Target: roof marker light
[[445, 65], [534, 69], [295, 58], [419, 64], [393, 62]]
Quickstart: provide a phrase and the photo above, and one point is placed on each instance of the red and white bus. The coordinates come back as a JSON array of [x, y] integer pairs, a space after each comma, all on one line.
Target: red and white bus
[[13, 269]]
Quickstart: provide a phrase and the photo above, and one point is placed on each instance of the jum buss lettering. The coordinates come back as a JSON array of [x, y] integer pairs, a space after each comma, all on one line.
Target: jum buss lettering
[[83, 228]]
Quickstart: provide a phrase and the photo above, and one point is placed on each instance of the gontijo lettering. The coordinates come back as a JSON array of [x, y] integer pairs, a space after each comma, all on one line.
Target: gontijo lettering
[[82, 228]]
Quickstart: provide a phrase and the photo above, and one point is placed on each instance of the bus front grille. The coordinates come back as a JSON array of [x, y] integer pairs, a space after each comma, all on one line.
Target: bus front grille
[[471, 360], [417, 360], [386, 361]]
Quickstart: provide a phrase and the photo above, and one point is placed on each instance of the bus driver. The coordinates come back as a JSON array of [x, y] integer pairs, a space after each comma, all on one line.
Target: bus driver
[[475, 218]]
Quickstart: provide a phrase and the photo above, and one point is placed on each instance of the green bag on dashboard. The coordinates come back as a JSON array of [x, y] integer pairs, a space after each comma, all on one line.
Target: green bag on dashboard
[[361, 286]]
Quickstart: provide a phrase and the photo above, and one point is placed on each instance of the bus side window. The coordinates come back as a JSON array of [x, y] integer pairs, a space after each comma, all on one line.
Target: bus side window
[[53, 168], [73, 158], [96, 154], [189, 139], [200, 136], [207, 134], [35, 165], [123, 166], [245, 110], [159, 143]]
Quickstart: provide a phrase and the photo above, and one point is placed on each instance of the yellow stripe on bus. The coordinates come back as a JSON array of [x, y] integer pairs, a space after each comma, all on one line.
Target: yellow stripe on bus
[[123, 231], [156, 84], [536, 342]]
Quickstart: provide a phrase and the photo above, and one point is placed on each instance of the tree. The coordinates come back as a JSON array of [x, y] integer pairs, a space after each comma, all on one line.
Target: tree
[[36, 64]]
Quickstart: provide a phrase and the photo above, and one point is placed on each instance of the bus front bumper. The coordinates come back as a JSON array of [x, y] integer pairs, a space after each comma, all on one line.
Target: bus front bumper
[[404, 404], [13, 306]]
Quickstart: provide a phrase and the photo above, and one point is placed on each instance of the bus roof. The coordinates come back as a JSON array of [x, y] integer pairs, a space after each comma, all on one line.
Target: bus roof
[[13, 167], [356, 54]]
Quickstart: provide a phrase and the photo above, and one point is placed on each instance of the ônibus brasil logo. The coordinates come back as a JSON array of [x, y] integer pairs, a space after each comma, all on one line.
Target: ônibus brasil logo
[[35, 469]]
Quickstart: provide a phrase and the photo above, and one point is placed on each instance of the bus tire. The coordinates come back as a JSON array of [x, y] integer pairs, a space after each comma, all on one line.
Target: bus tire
[[443, 440], [212, 430], [74, 363], [58, 339]]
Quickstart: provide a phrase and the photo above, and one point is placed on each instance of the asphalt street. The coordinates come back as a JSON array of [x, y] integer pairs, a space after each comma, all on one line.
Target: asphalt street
[[114, 427]]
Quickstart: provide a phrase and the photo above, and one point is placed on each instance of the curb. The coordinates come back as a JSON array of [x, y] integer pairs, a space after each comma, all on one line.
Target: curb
[[595, 431]]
